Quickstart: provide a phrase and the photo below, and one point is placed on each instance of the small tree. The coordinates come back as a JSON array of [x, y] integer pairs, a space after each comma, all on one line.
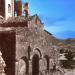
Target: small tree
[[69, 62], [69, 55]]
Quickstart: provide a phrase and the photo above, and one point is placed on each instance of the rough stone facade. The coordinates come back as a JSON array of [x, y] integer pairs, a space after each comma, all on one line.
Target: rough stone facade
[[29, 45]]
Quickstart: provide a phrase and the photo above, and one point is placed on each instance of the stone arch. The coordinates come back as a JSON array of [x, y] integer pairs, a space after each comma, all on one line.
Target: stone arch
[[24, 65], [35, 64], [27, 63], [47, 60], [37, 49]]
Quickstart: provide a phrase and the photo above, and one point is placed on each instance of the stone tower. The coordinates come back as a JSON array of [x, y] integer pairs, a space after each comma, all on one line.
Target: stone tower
[[7, 8], [18, 7]]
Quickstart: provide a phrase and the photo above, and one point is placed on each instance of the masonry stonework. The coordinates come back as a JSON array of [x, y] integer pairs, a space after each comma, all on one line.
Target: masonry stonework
[[32, 45]]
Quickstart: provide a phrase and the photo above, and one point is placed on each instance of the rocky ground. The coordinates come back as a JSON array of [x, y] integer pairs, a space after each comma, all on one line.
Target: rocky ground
[[70, 72], [65, 72]]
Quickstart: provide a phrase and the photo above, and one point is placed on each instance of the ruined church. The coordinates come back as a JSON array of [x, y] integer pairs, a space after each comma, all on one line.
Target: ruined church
[[24, 43]]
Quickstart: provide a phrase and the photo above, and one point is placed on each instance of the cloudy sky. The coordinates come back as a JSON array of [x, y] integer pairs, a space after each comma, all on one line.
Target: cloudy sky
[[58, 16]]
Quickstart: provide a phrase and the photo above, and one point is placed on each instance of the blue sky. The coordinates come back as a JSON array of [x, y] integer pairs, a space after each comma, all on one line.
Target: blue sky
[[58, 16]]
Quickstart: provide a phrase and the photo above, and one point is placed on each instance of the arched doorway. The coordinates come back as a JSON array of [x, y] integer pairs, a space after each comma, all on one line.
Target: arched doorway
[[35, 65], [23, 66], [27, 64]]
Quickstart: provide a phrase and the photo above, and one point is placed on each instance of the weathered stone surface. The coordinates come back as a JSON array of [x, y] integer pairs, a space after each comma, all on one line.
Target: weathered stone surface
[[31, 40]]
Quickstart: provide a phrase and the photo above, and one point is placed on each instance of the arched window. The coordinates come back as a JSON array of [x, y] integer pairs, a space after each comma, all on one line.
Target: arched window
[[29, 50], [9, 8], [47, 60]]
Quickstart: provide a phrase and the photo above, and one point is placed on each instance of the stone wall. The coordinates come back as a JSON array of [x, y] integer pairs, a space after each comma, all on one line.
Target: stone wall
[[34, 37], [33, 46]]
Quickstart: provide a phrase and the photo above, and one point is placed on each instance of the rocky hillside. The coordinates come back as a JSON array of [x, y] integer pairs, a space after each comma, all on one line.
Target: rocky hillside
[[53, 39], [68, 44]]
